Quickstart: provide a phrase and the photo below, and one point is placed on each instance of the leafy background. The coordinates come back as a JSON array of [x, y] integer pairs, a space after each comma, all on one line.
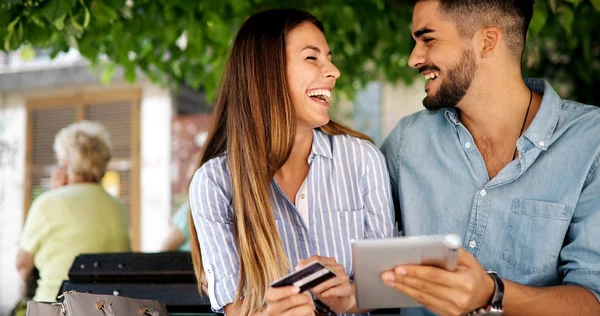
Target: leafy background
[[370, 38]]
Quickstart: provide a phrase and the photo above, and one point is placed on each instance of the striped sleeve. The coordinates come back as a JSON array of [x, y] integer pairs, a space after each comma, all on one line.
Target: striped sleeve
[[210, 206], [379, 208]]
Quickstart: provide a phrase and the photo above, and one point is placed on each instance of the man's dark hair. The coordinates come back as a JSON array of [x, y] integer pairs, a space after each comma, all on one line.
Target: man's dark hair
[[512, 16]]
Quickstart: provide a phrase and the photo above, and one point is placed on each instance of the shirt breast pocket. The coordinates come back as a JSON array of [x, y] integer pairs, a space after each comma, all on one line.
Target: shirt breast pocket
[[535, 234]]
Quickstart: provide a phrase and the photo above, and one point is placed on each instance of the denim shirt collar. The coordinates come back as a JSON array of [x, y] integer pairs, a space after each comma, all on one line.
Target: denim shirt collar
[[539, 132], [451, 115], [542, 127]]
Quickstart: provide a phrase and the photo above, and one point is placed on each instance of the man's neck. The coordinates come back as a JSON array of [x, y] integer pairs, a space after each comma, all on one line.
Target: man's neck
[[496, 114], [496, 110]]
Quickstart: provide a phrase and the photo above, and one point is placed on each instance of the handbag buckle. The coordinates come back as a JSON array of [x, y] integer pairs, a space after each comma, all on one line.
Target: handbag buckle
[[62, 307], [65, 293], [148, 311]]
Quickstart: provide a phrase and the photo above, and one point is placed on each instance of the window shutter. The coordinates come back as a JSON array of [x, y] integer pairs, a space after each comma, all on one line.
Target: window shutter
[[117, 120], [45, 124]]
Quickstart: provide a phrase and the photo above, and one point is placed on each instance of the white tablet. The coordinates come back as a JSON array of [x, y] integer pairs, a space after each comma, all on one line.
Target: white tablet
[[371, 257]]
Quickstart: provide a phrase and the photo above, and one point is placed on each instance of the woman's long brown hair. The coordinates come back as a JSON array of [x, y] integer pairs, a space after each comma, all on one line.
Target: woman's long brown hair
[[254, 124]]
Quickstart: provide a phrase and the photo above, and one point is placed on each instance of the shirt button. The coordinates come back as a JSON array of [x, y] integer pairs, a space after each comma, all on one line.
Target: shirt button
[[472, 244], [302, 196], [482, 192], [467, 145], [541, 143]]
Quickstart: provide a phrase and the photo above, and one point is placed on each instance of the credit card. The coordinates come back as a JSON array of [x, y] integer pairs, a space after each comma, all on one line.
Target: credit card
[[306, 278]]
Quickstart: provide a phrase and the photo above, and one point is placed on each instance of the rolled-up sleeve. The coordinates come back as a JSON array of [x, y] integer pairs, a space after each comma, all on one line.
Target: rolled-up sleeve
[[213, 219], [580, 255], [379, 222]]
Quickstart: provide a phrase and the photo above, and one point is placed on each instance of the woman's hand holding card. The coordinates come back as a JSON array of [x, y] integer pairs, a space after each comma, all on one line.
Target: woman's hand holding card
[[337, 292]]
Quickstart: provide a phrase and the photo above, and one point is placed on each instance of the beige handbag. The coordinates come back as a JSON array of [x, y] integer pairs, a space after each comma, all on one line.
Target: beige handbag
[[45, 309], [85, 304]]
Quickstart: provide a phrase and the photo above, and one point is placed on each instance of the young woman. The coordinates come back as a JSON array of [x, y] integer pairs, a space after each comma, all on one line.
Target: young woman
[[279, 183]]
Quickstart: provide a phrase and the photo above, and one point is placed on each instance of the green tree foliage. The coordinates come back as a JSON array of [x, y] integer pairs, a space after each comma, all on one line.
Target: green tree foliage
[[370, 38], [563, 46]]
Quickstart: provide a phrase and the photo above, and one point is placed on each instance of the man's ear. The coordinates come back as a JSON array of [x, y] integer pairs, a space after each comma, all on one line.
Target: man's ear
[[491, 35]]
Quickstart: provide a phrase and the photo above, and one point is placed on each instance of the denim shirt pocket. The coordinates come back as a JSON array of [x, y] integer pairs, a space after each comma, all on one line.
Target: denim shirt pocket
[[535, 234]]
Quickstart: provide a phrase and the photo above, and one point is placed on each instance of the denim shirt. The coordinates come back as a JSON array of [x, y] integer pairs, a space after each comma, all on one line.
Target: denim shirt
[[537, 222]]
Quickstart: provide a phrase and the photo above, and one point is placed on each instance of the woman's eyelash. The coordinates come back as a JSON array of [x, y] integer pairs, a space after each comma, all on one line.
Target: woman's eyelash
[[427, 40], [311, 58]]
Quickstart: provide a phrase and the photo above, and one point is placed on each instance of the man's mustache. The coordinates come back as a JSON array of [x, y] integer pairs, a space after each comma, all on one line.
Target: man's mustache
[[428, 68]]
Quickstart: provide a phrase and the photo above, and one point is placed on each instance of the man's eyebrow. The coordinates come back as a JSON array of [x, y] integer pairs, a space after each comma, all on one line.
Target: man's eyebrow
[[316, 49], [422, 31]]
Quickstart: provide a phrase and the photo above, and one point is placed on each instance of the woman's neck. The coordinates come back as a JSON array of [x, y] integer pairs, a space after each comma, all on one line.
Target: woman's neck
[[293, 172], [75, 179], [298, 159]]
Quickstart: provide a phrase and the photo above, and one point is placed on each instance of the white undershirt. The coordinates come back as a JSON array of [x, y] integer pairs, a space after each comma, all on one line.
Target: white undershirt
[[302, 202]]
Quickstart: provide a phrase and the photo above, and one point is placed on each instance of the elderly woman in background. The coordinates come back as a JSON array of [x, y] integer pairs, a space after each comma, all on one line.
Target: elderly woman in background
[[77, 216]]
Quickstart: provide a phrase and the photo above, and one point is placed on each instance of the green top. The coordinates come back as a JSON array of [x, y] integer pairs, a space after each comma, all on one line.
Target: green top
[[63, 223], [180, 220]]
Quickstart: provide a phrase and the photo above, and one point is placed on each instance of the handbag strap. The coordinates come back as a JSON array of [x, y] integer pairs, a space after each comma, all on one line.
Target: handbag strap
[[149, 311], [106, 308], [62, 307]]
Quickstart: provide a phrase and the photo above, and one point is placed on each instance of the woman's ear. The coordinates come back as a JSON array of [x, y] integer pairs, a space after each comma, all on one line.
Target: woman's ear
[[59, 178]]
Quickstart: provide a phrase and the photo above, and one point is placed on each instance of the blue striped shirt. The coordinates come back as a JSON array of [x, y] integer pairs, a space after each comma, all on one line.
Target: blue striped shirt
[[348, 194]]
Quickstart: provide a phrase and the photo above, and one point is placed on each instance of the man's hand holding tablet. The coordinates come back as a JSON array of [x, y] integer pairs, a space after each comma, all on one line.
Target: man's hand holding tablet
[[375, 260], [467, 288]]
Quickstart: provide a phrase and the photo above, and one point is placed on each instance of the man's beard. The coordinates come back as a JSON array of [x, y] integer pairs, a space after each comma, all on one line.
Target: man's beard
[[454, 87]]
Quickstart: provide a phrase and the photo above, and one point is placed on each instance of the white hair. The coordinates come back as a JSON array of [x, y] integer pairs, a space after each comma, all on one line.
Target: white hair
[[85, 148]]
